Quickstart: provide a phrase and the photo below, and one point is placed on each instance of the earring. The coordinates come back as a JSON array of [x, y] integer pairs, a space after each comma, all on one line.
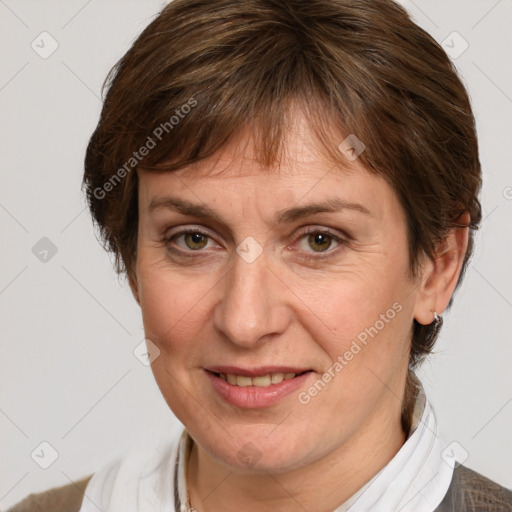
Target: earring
[[437, 320]]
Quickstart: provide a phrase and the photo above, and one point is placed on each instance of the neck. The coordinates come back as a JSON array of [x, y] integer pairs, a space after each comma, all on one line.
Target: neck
[[322, 486]]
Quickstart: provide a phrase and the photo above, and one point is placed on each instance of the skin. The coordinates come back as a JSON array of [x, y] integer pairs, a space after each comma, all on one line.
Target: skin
[[283, 308]]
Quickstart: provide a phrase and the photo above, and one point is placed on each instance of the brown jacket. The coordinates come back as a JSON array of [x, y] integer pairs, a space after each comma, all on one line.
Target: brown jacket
[[468, 492]]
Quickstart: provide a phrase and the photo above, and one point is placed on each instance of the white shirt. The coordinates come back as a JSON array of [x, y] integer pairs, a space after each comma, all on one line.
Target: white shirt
[[153, 478]]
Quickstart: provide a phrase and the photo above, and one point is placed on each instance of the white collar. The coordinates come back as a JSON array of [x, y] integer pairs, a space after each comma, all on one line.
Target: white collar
[[152, 479]]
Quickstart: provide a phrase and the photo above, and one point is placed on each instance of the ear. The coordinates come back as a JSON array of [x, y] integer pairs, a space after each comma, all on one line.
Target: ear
[[439, 277]]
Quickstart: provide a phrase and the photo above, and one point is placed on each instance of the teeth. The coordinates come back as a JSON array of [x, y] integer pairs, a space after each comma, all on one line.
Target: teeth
[[277, 378], [242, 380], [262, 381]]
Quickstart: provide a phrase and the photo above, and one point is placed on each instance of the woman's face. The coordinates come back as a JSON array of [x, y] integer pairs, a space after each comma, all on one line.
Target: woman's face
[[269, 287]]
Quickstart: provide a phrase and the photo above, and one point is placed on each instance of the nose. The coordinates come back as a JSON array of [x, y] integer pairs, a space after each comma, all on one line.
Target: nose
[[252, 304]]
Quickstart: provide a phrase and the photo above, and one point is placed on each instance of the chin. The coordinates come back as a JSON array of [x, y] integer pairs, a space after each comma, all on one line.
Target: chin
[[258, 449]]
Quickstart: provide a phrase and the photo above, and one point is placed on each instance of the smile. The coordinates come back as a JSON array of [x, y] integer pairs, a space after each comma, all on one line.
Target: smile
[[264, 389], [262, 381]]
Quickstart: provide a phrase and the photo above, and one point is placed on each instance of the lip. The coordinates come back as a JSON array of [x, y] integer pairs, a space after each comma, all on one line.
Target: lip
[[253, 397]]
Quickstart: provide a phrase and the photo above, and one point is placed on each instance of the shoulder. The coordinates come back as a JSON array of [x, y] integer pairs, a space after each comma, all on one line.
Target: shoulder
[[130, 476], [470, 491], [66, 498]]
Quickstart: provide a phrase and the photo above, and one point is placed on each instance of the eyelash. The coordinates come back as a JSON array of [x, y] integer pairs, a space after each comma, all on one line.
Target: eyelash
[[320, 255]]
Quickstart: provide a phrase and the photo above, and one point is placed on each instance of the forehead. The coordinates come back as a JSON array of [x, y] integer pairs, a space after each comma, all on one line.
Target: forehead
[[297, 145], [280, 197], [234, 176]]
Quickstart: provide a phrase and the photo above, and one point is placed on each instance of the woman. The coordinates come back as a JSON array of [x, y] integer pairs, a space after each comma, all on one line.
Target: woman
[[291, 189]]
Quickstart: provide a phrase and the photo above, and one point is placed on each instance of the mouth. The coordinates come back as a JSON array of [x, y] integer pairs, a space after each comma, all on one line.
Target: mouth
[[257, 387], [260, 381]]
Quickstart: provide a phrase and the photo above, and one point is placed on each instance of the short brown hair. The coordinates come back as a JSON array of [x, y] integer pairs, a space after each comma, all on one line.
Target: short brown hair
[[364, 66]]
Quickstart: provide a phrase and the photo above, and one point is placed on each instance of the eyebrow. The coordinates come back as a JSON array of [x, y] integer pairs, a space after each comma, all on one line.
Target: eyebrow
[[282, 216]]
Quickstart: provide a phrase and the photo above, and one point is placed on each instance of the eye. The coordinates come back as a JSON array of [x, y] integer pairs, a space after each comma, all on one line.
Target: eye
[[320, 240], [192, 240]]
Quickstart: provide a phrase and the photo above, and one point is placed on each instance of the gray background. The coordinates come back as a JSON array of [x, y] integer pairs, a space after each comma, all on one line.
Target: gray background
[[68, 375]]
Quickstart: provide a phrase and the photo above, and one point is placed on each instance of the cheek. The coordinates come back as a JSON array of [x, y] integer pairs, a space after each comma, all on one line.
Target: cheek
[[360, 322], [348, 305], [171, 302], [365, 350], [172, 305]]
